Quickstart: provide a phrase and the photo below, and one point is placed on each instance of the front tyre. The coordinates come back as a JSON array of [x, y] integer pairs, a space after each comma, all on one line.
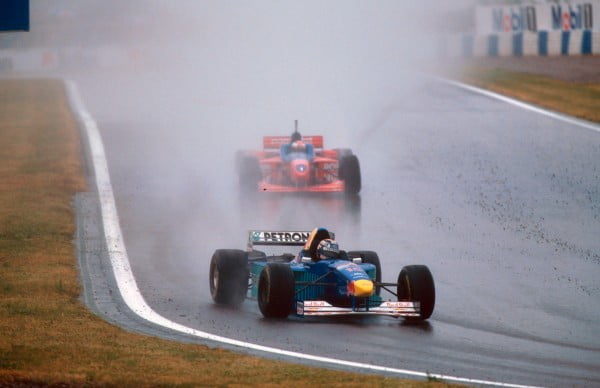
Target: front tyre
[[349, 172], [228, 276], [415, 283], [249, 173], [276, 290]]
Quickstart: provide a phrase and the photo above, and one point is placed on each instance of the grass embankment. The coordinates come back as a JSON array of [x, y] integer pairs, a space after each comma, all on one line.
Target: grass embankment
[[47, 336], [576, 99]]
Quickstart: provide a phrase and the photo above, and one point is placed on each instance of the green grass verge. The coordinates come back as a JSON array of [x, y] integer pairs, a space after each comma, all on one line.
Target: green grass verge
[[48, 337], [575, 99]]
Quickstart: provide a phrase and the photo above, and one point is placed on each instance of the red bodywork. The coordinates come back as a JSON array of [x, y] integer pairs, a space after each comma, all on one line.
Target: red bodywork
[[313, 172]]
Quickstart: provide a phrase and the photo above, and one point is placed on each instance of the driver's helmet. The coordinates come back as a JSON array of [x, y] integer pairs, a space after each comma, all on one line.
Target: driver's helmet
[[298, 146], [295, 137], [328, 249]]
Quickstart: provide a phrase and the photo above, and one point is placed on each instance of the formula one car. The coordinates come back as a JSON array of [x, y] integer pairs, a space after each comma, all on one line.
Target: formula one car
[[298, 164], [320, 281]]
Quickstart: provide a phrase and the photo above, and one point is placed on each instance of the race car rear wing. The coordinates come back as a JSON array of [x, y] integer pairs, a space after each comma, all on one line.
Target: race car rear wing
[[278, 237], [275, 142]]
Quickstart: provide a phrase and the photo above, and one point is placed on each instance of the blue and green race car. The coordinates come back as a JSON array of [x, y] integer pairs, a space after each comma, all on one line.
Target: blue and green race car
[[320, 280]]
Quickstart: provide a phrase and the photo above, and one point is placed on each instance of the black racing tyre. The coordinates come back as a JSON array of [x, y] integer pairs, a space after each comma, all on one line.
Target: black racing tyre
[[276, 290], [371, 258], [250, 173], [349, 172], [228, 276], [342, 152], [415, 283]]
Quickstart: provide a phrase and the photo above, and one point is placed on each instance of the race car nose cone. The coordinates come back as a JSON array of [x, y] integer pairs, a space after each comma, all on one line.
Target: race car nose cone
[[299, 170], [360, 288]]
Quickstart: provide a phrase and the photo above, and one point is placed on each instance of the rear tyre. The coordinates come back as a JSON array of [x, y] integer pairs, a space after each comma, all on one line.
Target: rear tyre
[[250, 173], [276, 290], [370, 257], [349, 172], [228, 276], [415, 283]]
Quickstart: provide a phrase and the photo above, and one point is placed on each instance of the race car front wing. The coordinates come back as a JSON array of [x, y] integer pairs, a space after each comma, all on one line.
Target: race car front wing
[[389, 308]]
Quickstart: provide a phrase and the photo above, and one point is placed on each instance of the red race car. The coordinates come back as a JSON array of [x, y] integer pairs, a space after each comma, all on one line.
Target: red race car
[[298, 164]]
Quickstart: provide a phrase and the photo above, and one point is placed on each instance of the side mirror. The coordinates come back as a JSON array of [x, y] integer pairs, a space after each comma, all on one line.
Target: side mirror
[[357, 260], [306, 259]]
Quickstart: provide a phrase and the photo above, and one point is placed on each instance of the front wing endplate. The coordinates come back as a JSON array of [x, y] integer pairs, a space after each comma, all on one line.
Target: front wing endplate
[[335, 186], [393, 309]]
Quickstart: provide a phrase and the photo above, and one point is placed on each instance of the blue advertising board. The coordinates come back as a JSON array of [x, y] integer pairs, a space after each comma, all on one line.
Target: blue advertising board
[[14, 15]]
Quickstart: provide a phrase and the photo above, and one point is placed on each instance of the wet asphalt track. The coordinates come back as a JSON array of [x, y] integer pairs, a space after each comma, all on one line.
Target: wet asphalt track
[[502, 204]]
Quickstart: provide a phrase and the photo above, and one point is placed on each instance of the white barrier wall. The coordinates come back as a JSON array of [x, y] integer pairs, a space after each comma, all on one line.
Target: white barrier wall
[[525, 43], [532, 27], [530, 43], [596, 45], [30, 60], [557, 15], [68, 57]]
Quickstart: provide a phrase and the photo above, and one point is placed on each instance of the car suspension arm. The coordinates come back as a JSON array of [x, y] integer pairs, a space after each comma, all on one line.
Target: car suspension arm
[[385, 287]]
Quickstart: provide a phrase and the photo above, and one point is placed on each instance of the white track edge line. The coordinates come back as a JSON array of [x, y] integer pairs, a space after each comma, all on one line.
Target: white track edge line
[[555, 115], [132, 295]]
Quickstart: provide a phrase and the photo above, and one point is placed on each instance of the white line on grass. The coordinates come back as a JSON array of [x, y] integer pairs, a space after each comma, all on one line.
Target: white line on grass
[[132, 295]]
